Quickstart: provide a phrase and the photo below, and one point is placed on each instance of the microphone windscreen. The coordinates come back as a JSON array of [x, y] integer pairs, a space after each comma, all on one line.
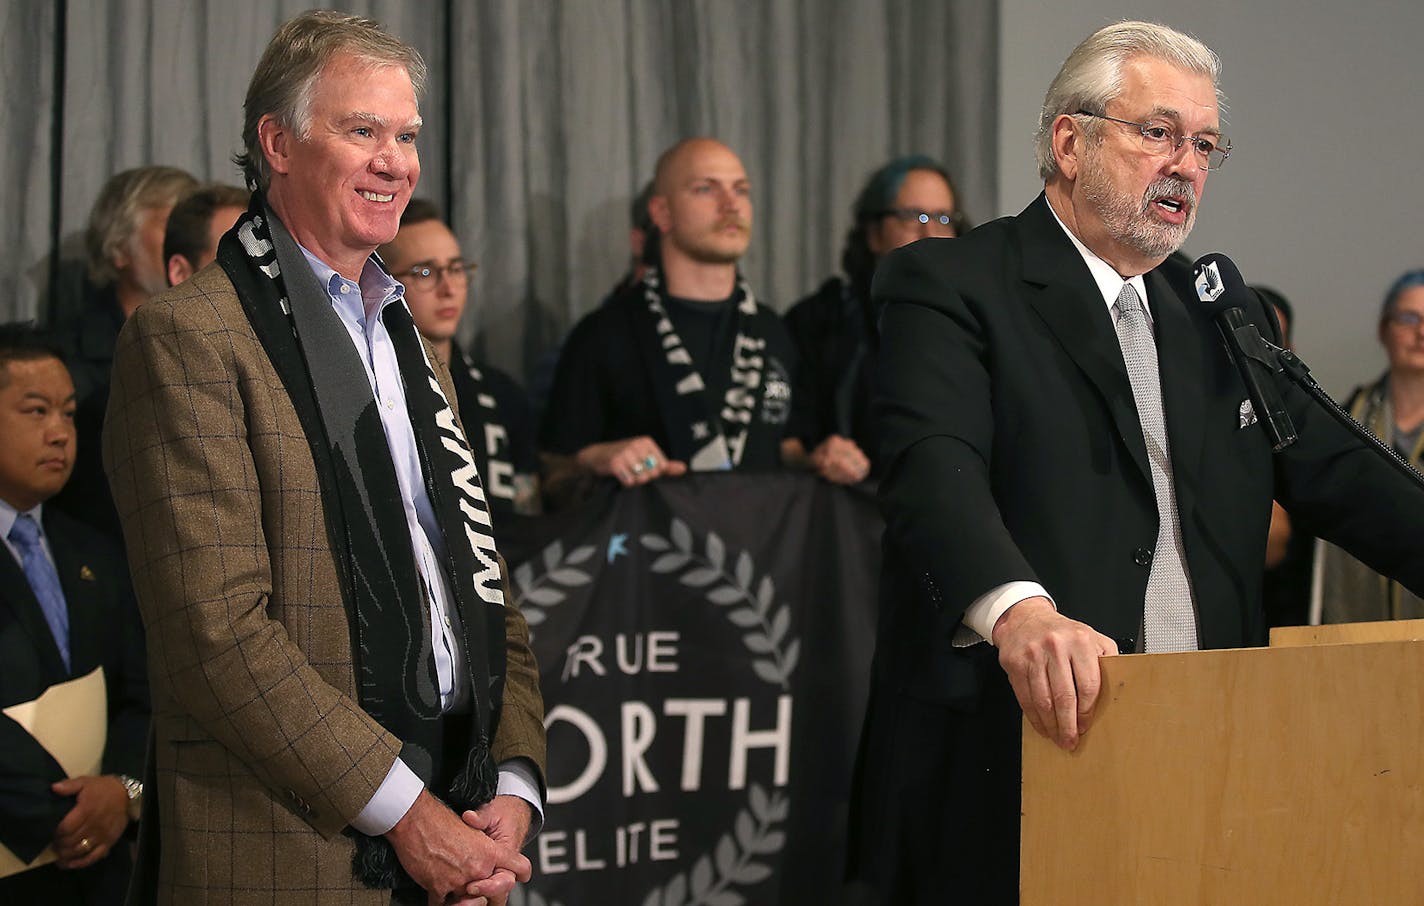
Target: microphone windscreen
[[1219, 283]]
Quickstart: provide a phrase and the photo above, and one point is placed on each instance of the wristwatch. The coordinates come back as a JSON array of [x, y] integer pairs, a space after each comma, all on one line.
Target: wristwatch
[[134, 789]]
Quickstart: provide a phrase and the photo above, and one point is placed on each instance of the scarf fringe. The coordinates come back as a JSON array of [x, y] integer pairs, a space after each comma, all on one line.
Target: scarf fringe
[[375, 864], [477, 781], [374, 861]]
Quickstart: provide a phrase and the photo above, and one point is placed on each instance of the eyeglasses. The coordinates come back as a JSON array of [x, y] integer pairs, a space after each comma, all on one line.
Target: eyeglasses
[[427, 276], [915, 215], [1164, 141], [1405, 318]]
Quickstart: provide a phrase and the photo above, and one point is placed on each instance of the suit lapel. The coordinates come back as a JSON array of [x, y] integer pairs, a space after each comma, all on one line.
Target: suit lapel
[[1067, 299], [25, 607]]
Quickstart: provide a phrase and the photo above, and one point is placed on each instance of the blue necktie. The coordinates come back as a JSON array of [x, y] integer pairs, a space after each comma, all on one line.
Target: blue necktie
[[44, 581]]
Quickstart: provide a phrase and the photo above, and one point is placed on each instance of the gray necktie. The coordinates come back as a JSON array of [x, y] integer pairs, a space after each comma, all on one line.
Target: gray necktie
[[1169, 622]]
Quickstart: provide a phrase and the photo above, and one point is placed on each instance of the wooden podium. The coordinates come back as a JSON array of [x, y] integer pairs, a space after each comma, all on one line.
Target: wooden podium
[[1292, 774]]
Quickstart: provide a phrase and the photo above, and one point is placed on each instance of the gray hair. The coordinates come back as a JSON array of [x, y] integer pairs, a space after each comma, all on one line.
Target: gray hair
[[116, 212], [283, 83], [1091, 77]]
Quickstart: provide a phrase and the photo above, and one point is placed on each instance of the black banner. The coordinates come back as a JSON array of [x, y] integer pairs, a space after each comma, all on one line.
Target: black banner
[[704, 647]]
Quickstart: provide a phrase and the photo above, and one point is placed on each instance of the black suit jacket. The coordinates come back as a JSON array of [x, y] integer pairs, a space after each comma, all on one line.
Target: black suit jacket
[[104, 629], [1013, 451]]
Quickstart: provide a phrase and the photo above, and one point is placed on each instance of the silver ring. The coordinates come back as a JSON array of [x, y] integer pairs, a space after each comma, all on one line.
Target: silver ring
[[638, 468]]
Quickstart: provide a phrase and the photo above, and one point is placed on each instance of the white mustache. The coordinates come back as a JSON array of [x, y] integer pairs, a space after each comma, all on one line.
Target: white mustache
[[1167, 187]]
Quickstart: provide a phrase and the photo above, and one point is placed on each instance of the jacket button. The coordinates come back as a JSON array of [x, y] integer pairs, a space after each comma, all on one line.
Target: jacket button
[[1142, 556]]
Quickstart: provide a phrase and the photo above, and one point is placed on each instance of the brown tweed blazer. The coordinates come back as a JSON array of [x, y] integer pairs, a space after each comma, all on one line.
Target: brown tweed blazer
[[263, 754]]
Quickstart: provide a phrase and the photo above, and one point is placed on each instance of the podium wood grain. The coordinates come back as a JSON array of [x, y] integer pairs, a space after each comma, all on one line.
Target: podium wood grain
[[1348, 633], [1291, 775]]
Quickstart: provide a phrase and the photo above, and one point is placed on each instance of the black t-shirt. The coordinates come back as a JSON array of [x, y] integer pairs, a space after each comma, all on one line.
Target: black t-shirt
[[500, 428], [603, 385], [708, 331]]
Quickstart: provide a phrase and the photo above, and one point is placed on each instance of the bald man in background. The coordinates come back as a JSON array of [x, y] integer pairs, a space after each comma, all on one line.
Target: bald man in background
[[684, 369]]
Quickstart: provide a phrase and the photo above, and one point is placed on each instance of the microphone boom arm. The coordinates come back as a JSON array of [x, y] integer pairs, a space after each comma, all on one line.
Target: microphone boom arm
[[1294, 368]]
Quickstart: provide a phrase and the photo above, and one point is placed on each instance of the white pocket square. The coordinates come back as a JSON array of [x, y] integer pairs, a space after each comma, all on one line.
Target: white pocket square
[[1247, 414]]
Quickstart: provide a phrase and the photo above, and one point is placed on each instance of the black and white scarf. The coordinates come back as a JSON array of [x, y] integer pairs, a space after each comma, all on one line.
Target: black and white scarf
[[708, 439], [382, 588], [509, 491]]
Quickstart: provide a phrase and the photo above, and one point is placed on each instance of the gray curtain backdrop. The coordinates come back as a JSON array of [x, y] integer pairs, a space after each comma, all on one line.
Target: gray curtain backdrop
[[543, 118]]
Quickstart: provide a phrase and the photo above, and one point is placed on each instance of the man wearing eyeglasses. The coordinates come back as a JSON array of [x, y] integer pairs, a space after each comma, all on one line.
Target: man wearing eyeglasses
[[1069, 469], [425, 257]]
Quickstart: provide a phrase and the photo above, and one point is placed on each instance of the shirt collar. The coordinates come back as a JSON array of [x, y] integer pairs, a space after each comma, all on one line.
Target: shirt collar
[[1107, 278], [9, 514], [376, 288]]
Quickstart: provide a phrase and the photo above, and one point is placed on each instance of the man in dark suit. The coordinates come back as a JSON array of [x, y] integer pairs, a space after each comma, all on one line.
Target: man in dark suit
[[1071, 469], [66, 607]]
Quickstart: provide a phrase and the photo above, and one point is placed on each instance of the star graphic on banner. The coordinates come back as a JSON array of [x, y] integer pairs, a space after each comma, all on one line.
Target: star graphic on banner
[[700, 431], [617, 544]]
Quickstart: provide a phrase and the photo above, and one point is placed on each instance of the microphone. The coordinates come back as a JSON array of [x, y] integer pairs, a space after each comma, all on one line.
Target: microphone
[[1220, 286]]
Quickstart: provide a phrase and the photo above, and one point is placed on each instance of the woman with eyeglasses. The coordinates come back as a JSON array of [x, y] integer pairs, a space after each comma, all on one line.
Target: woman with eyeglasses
[[1345, 590], [907, 199]]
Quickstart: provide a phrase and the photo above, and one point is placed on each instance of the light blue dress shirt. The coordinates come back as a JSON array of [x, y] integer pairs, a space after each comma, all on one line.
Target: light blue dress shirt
[[361, 307]]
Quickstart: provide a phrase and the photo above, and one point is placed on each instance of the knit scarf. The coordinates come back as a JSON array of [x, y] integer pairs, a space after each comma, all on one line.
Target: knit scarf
[[706, 437]]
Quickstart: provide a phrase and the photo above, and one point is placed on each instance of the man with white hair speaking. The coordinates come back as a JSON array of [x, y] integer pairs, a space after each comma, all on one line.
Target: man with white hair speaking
[[1068, 469]]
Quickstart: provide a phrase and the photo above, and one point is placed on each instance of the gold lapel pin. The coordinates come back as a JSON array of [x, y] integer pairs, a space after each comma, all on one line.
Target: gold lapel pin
[[86, 574]]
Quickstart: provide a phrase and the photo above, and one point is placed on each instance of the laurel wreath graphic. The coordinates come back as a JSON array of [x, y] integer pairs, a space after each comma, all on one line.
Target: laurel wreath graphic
[[710, 881], [750, 604], [754, 611], [549, 588]]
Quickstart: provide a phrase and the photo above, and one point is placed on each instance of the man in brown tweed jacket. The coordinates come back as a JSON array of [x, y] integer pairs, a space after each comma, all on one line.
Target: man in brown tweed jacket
[[251, 465]]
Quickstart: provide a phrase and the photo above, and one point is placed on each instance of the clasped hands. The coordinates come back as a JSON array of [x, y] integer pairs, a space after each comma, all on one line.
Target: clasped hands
[[467, 860], [1052, 663]]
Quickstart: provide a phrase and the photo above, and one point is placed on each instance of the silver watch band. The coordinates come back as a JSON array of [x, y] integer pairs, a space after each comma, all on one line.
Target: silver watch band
[[134, 788]]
